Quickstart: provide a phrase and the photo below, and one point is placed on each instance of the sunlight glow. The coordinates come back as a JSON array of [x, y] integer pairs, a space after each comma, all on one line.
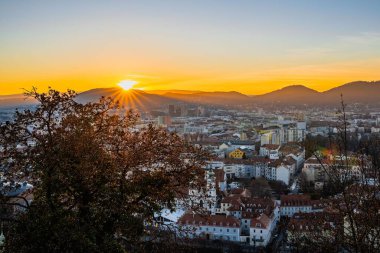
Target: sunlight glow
[[127, 84]]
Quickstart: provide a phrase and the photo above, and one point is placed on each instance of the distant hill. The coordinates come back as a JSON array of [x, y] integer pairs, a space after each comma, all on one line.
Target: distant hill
[[162, 92], [132, 98], [355, 92], [212, 98], [297, 94], [138, 97], [14, 101]]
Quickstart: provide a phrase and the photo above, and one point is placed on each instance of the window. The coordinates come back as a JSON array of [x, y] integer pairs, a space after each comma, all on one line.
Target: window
[[220, 230], [228, 230], [234, 230], [261, 231], [200, 228], [206, 229]]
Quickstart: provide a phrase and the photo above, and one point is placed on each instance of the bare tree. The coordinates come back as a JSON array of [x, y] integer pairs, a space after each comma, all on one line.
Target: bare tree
[[355, 179]]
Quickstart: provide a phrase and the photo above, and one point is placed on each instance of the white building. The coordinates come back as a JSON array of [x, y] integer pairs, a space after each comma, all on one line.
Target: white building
[[291, 204], [261, 229], [270, 150], [212, 227]]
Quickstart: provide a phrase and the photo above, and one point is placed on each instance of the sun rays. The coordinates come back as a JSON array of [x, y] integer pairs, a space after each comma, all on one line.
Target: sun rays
[[130, 97]]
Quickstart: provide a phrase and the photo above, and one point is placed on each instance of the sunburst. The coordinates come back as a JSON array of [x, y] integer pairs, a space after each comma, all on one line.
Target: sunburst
[[127, 84]]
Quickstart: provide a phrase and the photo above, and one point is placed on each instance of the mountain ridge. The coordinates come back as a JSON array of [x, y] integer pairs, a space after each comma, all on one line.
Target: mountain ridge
[[353, 92]]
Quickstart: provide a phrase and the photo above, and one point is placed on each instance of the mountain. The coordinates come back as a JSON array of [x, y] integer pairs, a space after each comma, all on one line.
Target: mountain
[[132, 98], [294, 94], [162, 92], [171, 97], [212, 98], [355, 92], [17, 100]]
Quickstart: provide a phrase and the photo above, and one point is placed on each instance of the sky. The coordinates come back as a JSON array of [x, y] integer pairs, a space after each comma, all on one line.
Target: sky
[[213, 45]]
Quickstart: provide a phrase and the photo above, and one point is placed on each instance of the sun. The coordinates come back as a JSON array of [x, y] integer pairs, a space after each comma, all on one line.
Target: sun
[[127, 84]]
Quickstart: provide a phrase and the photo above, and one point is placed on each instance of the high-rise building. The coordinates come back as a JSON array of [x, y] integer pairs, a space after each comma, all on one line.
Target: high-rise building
[[164, 120], [171, 110]]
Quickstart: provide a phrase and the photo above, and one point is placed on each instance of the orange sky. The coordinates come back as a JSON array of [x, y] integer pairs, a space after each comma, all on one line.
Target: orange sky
[[249, 47]]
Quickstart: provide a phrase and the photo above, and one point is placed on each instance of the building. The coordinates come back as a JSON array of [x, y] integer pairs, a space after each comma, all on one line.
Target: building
[[211, 227], [292, 204], [261, 229], [164, 120], [237, 154], [319, 228], [270, 150]]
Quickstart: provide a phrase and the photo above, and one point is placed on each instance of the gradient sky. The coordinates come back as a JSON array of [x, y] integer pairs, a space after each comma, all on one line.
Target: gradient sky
[[248, 46]]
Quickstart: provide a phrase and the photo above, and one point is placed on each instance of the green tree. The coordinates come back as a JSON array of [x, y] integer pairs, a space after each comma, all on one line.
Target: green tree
[[98, 181]]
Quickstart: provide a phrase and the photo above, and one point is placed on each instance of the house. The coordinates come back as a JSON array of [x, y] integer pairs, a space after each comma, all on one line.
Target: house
[[227, 202], [270, 150], [221, 179], [211, 227], [321, 228], [295, 151], [234, 144], [282, 173], [291, 204], [168, 217], [314, 169], [236, 154], [214, 164], [242, 144], [261, 229], [348, 168], [224, 146], [279, 170], [245, 168]]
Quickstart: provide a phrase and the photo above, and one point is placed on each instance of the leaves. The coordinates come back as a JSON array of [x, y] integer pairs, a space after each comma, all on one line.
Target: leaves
[[95, 175]]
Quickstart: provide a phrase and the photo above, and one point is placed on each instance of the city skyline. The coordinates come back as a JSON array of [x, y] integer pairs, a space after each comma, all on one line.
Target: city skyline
[[247, 46]]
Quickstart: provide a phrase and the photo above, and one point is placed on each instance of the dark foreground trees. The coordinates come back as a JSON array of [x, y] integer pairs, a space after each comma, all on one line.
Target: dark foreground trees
[[97, 179], [353, 186]]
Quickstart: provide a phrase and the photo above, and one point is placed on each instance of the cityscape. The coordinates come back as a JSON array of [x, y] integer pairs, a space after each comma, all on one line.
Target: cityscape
[[199, 161]]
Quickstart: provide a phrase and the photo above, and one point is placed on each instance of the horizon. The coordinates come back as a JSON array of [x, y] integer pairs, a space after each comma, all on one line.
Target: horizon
[[246, 46], [153, 91]]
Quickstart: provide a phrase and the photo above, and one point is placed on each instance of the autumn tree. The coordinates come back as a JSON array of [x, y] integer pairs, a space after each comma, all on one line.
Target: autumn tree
[[98, 180]]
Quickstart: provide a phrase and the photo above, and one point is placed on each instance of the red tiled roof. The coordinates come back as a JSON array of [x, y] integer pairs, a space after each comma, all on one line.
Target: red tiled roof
[[295, 200], [209, 220], [263, 220], [315, 221], [271, 146]]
